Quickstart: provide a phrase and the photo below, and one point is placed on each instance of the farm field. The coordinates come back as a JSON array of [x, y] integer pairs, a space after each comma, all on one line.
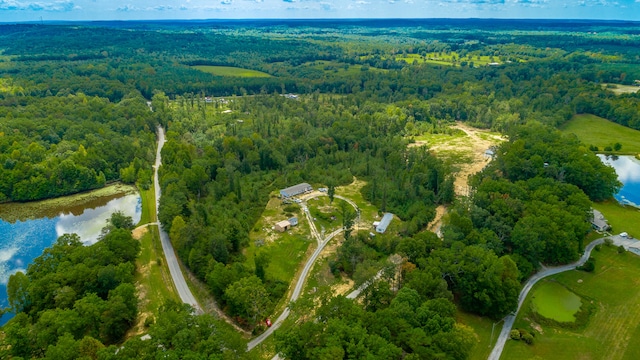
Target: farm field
[[610, 333], [230, 71], [594, 130]]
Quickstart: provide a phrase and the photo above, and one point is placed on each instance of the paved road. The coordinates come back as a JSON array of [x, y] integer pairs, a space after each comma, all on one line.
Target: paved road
[[174, 267], [509, 319], [303, 276]]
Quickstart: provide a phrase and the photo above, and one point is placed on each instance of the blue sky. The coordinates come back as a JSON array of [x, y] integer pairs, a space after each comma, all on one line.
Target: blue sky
[[30, 10]]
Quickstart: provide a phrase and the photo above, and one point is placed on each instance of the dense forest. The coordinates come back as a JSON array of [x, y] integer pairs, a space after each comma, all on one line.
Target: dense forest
[[80, 109]]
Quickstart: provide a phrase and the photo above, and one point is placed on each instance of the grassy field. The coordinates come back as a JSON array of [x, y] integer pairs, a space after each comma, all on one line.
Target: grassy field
[[340, 69], [230, 71], [482, 326], [148, 206], [621, 89], [610, 333], [594, 130], [555, 302], [322, 210]]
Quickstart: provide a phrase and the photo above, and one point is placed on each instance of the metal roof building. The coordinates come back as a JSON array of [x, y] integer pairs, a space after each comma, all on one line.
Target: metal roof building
[[386, 220], [296, 190], [599, 222]]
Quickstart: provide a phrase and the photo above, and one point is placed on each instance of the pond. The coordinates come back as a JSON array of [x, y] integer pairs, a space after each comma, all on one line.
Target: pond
[[628, 170], [555, 302], [22, 239]]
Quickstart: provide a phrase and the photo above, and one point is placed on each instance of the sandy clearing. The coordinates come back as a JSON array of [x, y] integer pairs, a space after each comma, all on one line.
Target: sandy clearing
[[474, 145]]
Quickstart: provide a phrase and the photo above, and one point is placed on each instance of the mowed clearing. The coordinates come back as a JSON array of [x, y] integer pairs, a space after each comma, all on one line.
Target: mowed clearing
[[613, 329], [230, 71], [600, 132], [464, 152], [621, 89]]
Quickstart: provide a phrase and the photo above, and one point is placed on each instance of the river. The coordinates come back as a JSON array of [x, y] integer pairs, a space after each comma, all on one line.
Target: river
[[24, 239], [628, 170]]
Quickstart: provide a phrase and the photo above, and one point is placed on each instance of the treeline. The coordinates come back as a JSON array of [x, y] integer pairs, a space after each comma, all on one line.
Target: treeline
[[55, 146], [215, 187], [75, 296]]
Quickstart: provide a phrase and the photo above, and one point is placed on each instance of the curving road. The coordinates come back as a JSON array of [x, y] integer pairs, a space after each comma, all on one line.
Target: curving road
[[172, 262], [509, 319]]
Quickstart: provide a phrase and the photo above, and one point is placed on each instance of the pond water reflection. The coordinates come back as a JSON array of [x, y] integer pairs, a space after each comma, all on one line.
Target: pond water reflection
[[628, 170], [23, 240]]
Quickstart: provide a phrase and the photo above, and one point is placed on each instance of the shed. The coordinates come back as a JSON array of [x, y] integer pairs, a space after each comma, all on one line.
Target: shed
[[293, 221], [283, 226], [598, 221], [296, 190], [384, 223]]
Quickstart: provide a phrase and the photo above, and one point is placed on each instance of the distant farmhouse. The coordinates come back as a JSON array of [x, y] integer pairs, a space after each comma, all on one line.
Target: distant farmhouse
[[295, 190], [381, 226], [599, 222]]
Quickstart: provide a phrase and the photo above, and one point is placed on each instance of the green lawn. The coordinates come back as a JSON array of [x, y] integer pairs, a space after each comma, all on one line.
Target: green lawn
[[554, 301], [230, 71], [613, 329], [322, 210], [594, 130]]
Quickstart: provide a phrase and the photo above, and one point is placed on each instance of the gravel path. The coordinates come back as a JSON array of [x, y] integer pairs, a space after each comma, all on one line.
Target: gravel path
[[172, 261]]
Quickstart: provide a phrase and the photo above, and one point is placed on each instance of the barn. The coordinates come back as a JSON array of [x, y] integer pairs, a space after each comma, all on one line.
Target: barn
[[296, 190], [384, 223], [283, 226]]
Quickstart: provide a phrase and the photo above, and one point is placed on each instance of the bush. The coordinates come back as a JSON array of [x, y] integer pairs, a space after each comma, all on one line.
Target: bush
[[598, 247], [621, 249], [528, 338], [515, 334], [608, 242], [588, 266]]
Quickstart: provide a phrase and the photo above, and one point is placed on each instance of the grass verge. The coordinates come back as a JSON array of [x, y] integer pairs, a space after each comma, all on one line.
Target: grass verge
[[600, 132]]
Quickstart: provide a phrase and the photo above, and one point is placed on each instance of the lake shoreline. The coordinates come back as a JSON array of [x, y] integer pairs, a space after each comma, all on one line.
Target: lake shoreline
[[17, 211]]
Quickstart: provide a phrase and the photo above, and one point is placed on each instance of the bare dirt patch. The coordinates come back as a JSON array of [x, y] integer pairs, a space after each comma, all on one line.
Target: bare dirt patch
[[343, 288], [139, 232]]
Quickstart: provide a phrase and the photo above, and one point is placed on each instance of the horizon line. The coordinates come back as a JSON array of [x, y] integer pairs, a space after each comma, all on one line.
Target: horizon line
[[41, 21]]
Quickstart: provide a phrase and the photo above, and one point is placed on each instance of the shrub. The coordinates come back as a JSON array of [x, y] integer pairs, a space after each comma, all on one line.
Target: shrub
[[598, 247], [589, 265], [621, 249], [608, 241], [515, 334], [528, 338]]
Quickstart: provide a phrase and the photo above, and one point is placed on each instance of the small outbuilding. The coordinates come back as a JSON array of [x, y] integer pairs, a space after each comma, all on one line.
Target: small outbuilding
[[598, 221], [296, 190], [283, 226], [384, 223]]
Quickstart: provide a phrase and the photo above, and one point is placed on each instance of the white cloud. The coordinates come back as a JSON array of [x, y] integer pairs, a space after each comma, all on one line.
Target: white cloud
[[54, 6]]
